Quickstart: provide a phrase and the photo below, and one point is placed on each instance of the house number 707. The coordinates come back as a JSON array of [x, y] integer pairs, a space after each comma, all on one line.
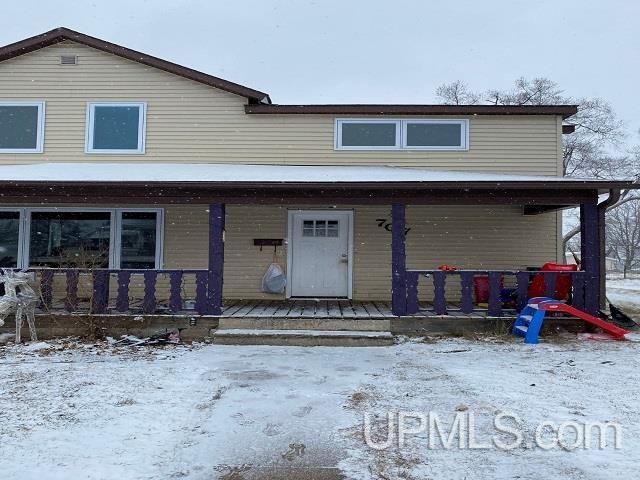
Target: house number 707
[[383, 223]]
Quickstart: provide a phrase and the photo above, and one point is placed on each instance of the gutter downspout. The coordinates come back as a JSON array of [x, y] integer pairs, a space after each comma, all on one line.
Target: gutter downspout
[[614, 197]]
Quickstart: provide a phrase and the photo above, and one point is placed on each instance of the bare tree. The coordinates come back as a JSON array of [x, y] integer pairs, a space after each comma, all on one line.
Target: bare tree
[[538, 91], [586, 151], [596, 126], [623, 235], [597, 129], [457, 93]]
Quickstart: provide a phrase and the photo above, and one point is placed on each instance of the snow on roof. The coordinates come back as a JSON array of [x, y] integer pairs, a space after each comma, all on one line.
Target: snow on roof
[[242, 173]]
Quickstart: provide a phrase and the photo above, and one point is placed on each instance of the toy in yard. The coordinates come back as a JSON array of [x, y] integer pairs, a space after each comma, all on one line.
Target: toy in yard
[[531, 318], [19, 298], [563, 281]]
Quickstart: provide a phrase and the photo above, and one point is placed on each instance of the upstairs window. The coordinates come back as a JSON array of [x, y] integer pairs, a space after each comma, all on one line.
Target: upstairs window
[[116, 128], [402, 134], [21, 127], [367, 134], [434, 134]]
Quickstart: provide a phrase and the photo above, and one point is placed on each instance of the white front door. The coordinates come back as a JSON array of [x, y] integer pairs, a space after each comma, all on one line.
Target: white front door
[[319, 253]]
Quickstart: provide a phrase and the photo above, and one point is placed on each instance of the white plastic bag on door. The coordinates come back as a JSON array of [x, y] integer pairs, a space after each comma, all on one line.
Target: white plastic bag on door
[[274, 279]]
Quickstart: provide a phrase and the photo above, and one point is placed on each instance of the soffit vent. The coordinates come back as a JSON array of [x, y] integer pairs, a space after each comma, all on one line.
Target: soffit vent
[[68, 60]]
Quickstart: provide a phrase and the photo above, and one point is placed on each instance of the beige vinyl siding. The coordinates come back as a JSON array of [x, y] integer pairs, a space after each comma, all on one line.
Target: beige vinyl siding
[[495, 237], [191, 122], [471, 237]]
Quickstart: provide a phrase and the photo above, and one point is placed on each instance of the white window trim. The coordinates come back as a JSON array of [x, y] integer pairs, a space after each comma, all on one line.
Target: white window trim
[[142, 128], [464, 135], [401, 134], [338, 133], [115, 239], [39, 134]]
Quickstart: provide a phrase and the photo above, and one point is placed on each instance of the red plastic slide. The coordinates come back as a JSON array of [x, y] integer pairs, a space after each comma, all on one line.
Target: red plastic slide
[[609, 328]]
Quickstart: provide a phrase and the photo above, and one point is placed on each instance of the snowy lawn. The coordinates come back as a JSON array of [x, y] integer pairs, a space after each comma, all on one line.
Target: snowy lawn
[[70, 410], [626, 294]]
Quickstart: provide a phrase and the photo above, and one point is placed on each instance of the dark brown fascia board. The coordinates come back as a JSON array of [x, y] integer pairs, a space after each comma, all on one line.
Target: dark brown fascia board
[[451, 186], [530, 210], [61, 34], [357, 109], [44, 194]]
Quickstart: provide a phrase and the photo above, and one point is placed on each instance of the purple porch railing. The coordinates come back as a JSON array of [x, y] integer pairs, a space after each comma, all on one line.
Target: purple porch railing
[[448, 292], [136, 291], [174, 291]]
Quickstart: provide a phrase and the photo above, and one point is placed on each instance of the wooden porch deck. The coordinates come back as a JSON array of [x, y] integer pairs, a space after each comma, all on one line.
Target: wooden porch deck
[[348, 309]]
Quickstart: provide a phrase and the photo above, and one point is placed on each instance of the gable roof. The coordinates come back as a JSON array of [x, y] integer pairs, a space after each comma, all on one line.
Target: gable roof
[[259, 102], [61, 34]]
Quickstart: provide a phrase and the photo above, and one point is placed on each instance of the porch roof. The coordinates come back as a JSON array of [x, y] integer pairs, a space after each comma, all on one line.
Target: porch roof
[[181, 183], [235, 175]]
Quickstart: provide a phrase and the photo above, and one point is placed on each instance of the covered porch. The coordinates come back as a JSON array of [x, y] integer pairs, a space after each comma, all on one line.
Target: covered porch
[[413, 291]]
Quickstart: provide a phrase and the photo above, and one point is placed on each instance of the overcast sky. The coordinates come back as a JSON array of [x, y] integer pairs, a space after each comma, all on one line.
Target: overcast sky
[[369, 51]]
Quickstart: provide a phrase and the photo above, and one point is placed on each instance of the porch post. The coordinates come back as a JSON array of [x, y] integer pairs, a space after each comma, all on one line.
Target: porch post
[[216, 258], [590, 255], [398, 261]]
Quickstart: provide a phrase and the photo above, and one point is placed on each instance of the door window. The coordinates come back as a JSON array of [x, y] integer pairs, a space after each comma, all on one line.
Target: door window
[[320, 228]]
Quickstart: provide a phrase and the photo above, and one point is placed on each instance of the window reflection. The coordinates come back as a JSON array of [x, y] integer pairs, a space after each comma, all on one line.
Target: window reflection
[[70, 239], [138, 240], [9, 230]]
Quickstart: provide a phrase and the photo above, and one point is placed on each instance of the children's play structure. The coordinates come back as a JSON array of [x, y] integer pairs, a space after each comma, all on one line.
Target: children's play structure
[[531, 318]]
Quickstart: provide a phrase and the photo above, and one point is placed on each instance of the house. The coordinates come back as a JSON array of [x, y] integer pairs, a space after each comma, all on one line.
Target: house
[[132, 184], [611, 264]]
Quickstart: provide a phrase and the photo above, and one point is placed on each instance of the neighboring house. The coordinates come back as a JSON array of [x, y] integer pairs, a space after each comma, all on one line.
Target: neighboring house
[[611, 264], [171, 189]]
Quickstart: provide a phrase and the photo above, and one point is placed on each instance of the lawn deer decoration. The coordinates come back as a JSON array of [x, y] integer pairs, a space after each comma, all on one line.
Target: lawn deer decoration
[[20, 298]]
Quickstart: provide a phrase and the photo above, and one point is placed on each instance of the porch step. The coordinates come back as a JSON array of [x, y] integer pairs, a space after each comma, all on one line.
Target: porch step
[[326, 338], [325, 324]]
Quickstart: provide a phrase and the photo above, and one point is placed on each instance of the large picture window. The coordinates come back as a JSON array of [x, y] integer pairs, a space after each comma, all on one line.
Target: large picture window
[[116, 128], [75, 238], [401, 134], [70, 239], [21, 127]]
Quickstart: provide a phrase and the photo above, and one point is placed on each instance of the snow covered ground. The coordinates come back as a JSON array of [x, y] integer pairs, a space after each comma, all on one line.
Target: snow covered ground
[[625, 293], [73, 410]]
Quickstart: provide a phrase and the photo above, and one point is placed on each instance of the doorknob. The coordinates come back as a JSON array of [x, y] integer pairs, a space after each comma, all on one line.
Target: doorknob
[[344, 258]]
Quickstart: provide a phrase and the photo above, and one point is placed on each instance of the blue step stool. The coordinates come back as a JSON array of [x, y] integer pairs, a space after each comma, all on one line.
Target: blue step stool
[[530, 320]]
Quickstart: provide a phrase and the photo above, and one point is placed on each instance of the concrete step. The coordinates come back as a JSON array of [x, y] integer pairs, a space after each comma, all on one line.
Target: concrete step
[[310, 338], [282, 323]]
